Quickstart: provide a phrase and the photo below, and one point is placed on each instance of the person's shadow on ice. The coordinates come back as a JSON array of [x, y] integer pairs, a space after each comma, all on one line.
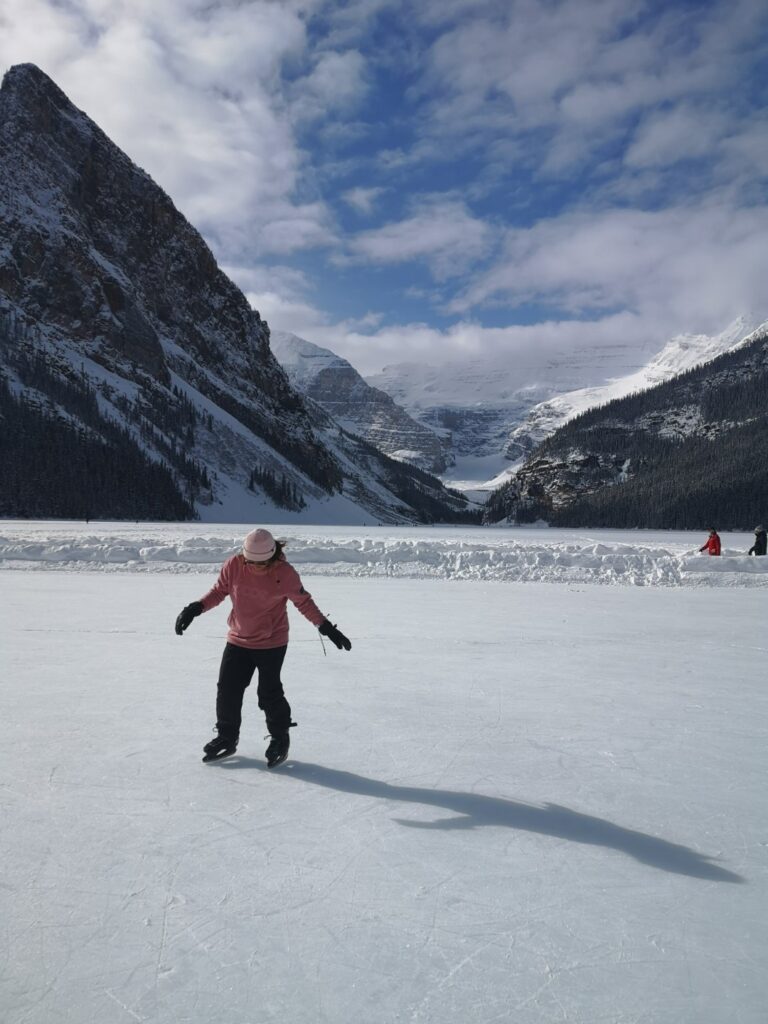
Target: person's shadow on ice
[[476, 810]]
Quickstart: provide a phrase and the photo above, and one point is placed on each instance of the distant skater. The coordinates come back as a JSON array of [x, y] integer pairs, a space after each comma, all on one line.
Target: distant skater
[[712, 543], [259, 581], [759, 547]]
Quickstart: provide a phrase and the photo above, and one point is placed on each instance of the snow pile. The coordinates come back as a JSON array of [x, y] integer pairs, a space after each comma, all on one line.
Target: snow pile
[[459, 554]]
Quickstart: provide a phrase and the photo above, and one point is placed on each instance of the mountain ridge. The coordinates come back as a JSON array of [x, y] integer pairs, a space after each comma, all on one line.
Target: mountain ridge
[[492, 414], [103, 279], [679, 455], [369, 412]]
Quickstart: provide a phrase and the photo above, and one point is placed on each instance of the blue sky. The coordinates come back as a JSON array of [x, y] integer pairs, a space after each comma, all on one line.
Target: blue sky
[[443, 178]]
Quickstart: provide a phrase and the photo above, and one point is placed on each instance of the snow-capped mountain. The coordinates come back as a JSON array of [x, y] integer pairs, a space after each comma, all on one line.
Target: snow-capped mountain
[[124, 348], [682, 454], [370, 413], [681, 353], [493, 412]]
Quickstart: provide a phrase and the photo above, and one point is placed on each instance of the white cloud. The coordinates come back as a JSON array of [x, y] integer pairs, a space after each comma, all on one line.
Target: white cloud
[[281, 295], [370, 349], [212, 100], [362, 199], [336, 83], [442, 233], [193, 93], [566, 77], [743, 155], [677, 134], [689, 268]]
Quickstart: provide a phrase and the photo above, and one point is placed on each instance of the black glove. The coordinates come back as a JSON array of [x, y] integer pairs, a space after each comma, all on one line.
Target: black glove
[[335, 635], [186, 616]]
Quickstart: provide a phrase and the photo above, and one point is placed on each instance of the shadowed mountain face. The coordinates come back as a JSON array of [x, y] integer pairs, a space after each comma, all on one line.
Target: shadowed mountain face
[[93, 248], [106, 287]]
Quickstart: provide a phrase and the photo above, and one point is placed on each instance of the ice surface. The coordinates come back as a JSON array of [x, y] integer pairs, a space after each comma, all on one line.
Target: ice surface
[[509, 802]]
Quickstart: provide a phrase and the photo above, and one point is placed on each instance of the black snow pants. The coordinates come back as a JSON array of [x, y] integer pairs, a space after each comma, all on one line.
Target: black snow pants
[[237, 667]]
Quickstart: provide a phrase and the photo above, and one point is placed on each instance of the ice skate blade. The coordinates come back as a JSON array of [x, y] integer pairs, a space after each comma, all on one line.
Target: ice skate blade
[[277, 761], [210, 758]]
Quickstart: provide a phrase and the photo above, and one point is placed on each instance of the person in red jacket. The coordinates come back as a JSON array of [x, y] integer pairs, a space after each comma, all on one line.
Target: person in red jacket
[[260, 582], [712, 544]]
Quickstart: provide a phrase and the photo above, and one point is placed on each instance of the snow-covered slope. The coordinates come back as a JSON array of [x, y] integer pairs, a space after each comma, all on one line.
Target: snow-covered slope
[[370, 413], [687, 451], [489, 410], [681, 353]]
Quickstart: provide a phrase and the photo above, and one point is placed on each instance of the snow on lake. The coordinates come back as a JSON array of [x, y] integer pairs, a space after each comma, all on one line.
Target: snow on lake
[[509, 802], [639, 558]]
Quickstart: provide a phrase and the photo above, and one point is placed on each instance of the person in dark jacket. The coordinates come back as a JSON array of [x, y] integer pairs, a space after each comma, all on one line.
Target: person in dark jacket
[[712, 543], [759, 547], [259, 581]]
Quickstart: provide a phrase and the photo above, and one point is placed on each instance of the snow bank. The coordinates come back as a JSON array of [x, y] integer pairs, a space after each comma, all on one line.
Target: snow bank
[[379, 553]]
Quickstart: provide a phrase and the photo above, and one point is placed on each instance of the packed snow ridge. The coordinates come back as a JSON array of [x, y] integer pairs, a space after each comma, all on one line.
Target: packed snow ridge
[[458, 557]]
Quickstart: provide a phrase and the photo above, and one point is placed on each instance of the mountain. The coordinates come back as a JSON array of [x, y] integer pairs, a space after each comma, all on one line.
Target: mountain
[[336, 385], [491, 412], [684, 454], [473, 404], [127, 355], [681, 353]]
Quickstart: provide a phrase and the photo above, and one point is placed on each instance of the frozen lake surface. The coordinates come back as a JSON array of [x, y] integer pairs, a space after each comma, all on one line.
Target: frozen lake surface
[[511, 801]]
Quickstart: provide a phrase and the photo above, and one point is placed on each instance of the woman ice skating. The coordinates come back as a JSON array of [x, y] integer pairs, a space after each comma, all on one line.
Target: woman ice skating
[[760, 545], [260, 581], [712, 543]]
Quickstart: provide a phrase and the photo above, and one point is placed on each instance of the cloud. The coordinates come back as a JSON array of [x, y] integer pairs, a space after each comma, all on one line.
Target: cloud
[[193, 93], [570, 79], [685, 268], [442, 233], [369, 347], [603, 160], [335, 83], [742, 160], [362, 199], [681, 133], [281, 295]]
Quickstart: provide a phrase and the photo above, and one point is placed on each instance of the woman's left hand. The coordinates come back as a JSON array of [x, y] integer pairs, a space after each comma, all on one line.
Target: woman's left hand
[[335, 635]]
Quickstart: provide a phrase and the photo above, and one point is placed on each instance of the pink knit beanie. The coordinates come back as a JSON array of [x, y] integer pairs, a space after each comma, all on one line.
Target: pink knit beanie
[[259, 546]]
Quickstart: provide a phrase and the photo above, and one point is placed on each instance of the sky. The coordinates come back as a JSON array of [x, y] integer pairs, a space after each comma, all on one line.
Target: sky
[[427, 180]]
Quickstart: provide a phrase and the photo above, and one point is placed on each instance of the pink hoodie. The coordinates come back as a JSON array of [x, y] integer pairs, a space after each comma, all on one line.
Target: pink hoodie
[[259, 618]]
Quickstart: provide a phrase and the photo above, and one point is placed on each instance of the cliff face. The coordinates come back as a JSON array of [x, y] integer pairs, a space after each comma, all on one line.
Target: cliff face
[[370, 413], [105, 284]]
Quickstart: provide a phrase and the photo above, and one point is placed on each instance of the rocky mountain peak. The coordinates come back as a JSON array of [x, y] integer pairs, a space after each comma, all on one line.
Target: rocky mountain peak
[[118, 330], [66, 182]]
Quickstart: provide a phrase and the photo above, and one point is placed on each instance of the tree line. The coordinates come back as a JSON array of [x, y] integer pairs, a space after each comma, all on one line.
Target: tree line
[[62, 455]]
